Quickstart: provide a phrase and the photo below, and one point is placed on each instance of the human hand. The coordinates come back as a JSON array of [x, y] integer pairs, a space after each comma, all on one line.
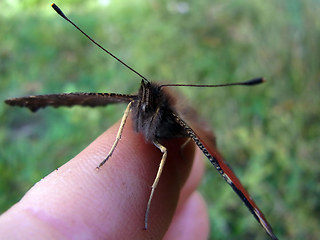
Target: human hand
[[78, 202]]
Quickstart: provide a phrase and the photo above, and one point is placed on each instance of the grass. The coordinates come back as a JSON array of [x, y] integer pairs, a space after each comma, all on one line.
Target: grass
[[270, 134]]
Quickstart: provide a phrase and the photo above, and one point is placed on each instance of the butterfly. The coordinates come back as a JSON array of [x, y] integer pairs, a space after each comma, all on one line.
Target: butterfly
[[158, 115]]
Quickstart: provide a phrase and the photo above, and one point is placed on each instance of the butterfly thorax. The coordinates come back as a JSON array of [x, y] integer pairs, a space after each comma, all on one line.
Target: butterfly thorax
[[152, 113]]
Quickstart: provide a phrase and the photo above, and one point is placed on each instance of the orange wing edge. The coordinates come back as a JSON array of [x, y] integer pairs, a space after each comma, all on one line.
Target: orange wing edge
[[218, 162]]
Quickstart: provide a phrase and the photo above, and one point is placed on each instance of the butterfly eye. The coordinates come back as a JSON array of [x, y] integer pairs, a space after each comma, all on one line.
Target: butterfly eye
[[145, 107]]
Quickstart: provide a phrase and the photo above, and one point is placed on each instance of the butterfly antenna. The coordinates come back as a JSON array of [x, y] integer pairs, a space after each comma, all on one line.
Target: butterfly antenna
[[251, 82], [58, 10]]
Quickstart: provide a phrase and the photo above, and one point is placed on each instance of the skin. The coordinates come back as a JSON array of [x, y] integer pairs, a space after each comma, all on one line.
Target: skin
[[78, 202]]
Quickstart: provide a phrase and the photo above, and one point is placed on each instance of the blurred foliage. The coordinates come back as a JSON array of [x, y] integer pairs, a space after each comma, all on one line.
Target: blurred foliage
[[270, 134]]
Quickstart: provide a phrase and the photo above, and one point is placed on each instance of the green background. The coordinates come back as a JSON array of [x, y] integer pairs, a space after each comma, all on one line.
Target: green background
[[269, 134]]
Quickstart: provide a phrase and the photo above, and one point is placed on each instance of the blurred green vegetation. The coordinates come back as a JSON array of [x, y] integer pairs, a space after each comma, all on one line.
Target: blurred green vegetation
[[270, 134]]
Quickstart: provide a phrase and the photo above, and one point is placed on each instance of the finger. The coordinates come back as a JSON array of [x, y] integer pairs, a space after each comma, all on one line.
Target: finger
[[194, 177], [191, 220], [77, 200]]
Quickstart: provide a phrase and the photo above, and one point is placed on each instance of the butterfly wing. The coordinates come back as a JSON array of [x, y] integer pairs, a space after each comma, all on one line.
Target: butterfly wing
[[206, 143], [69, 99]]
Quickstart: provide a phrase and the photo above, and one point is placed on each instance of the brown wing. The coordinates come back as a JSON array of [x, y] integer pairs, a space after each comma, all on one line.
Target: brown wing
[[69, 99], [207, 146]]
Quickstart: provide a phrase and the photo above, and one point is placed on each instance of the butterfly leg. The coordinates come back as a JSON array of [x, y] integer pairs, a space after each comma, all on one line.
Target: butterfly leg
[[155, 183], [185, 144], [118, 137]]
